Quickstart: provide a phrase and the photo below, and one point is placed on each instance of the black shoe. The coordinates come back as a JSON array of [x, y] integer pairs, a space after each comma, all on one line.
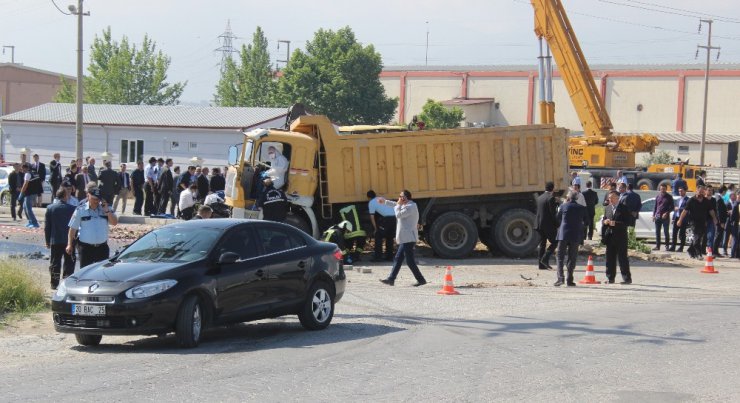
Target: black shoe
[[387, 281], [559, 283], [547, 265], [609, 281], [672, 249], [543, 267], [626, 282], [667, 249], [571, 284], [680, 250], [420, 283]]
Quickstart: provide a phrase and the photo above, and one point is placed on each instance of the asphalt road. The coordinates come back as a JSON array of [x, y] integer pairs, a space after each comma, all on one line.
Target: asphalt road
[[510, 336]]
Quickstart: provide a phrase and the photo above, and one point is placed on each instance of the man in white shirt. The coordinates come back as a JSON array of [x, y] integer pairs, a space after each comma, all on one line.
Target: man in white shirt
[[187, 201]]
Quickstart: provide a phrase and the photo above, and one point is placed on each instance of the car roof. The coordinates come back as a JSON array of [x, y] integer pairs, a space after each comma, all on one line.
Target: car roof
[[220, 223]]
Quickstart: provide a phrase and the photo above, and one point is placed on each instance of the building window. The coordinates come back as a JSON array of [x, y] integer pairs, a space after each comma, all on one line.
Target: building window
[[193, 146], [132, 151], [175, 145], [683, 149]]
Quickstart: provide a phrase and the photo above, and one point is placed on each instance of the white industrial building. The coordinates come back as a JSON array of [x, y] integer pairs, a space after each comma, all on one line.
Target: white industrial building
[[131, 132], [660, 99]]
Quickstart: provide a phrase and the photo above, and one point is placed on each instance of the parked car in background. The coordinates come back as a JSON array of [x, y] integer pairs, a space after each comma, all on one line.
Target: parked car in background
[[46, 198], [187, 276]]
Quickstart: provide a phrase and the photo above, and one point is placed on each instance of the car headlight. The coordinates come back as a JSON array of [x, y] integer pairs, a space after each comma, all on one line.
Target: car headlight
[[148, 289], [61, 291]]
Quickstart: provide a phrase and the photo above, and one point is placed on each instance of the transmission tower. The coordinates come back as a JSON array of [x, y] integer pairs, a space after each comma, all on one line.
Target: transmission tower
[[227, 45]]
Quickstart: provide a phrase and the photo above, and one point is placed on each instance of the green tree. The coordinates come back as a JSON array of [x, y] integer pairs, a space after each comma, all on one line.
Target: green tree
[[437, 116], [338, 77], [658, 157], [249, 82], [124, 74]]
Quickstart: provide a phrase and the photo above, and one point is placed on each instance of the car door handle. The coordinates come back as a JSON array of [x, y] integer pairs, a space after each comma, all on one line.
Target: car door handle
[[259, 273], [302, 264]]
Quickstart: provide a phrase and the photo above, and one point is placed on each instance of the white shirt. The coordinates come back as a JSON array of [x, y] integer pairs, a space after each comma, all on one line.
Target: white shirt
[[576, 181], [278, 167], [186, 200], [213, 198]]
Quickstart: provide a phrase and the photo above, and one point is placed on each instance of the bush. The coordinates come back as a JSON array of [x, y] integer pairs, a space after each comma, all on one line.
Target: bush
[[634, 243], [19, 293]]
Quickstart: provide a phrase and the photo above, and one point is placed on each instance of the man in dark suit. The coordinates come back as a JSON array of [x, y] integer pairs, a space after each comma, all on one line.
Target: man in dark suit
[[546, 226], [108, 183], [56, 173], [15, 182], [81, 181], [592, 199], [39, 169], [218, 182], [166, 185], [124, 188], [203, 183], [721, 211], [570, 234], [614, 234], [56, 232], [91, 171], [137, 180]]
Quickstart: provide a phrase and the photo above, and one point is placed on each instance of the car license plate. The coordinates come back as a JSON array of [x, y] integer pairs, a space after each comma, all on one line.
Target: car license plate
[[88, 310]]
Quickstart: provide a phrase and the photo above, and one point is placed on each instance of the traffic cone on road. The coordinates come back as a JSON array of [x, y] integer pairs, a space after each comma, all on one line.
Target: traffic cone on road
[[449, 287], [709, 264], [589, 278]]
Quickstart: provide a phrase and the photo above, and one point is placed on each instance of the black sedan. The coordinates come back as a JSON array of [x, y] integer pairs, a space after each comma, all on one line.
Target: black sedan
[[187, 276]]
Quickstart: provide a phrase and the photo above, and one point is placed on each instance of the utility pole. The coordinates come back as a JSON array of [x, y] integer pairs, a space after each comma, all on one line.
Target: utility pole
[[709, 49], [287, 53], [78, 123], [12, 52], [426, 51], [227, 45]]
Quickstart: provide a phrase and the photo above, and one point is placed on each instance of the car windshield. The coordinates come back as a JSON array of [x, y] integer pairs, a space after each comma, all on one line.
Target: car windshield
[[171, 244]]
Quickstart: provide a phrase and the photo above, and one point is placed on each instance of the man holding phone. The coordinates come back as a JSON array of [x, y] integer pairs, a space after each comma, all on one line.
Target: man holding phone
[[407, 234], [91, 220]]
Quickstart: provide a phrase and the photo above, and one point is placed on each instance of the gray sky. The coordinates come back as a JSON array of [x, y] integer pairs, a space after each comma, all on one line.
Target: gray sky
[[465, 32]]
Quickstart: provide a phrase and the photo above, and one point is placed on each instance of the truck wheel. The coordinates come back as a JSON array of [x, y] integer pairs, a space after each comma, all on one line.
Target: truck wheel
[[299, 222], [453, 235], [514, 233], [667, 183], [486, 237], [645, 184]]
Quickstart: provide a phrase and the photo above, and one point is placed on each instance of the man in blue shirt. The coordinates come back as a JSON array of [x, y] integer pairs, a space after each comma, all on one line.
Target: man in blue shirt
[[678, 183], [383, 218], [56, 232], [91, 220]]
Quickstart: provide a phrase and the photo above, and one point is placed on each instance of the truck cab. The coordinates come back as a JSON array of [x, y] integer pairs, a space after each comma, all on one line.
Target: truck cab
[[248, 161]]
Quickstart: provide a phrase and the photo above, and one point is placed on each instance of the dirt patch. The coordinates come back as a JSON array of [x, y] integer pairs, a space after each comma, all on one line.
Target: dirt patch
[[37, 323]]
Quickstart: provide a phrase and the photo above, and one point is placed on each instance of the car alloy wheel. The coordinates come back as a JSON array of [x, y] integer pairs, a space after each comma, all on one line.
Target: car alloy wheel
[[197, 322], [321, 305]]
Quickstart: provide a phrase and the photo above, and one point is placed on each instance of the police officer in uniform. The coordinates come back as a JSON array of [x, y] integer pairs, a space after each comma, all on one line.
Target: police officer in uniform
[[273, 202], [91, 220]]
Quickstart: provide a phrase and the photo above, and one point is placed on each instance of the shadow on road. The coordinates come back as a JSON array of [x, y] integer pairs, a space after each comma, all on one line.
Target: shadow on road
[[524, 325], [254, 336]]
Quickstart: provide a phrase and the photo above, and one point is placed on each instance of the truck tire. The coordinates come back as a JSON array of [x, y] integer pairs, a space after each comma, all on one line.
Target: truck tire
[[486, 238], [514, 233], [299, 222], [453, 235], [667, 183], [645, 184]]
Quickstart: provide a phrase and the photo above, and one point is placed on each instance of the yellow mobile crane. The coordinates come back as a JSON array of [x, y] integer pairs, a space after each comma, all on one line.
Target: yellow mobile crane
[[598, 147]]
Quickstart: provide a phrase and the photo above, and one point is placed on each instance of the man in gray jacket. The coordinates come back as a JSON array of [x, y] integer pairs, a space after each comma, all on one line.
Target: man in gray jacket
[[407, 234]]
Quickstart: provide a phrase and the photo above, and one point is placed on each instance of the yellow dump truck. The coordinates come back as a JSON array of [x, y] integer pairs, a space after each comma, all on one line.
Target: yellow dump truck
[[469, 184]]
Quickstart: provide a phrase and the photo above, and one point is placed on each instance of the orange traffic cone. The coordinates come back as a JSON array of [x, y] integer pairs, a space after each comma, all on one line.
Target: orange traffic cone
[[448, 288], [709, 264], [589, 278]]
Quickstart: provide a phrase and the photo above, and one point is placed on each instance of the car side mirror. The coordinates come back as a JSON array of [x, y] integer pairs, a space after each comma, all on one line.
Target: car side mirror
[[228, 258]]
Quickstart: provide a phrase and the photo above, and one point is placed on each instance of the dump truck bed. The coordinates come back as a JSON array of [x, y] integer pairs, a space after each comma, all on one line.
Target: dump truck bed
[[444, 163]]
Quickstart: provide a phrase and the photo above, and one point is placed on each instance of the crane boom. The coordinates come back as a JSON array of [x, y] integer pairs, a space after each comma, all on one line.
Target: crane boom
[[598, 146]]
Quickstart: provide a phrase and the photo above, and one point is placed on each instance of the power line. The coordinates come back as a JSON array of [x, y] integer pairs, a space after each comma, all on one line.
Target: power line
[[736, 20], [60, 10], [668, 11]]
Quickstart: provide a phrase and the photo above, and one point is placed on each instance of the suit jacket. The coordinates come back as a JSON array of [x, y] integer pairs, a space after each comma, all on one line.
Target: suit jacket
[[108, 182], [91, 173], [56, 225], [218, 182], [547, 208], [124, 177], [203, 186], [137, 178], [407, 218], [720, 209], [592, 199], [622, 217], [571, 217], [166, 181], [80, 185], [13, 182], [56, 172], [41, 170]]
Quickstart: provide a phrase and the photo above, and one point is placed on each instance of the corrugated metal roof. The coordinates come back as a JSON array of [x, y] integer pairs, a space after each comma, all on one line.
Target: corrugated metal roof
[[594, 67], [149, 115], [696, 138], [35, 70]]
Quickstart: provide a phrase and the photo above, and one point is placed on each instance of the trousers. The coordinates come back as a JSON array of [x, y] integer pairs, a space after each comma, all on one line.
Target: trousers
[[406, 250], [122, 196], [569, 249], [90, 254], [616, 251], [679, 234], [61, 265]]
